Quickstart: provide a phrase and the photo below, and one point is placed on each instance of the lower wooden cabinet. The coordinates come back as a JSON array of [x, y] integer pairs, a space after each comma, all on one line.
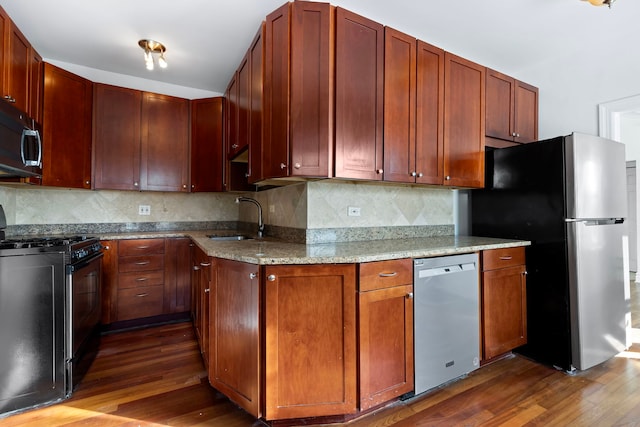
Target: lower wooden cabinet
[[385, 331], [310, 340], [504, 306], [144, 278], [234, 345], [203, 270]]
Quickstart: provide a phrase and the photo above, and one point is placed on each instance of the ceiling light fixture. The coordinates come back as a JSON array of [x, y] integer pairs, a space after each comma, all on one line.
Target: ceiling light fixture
[[151, 46], [600, 2]]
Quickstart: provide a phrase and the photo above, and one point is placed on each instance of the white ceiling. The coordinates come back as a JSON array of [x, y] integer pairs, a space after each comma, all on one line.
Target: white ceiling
[[206, 39]]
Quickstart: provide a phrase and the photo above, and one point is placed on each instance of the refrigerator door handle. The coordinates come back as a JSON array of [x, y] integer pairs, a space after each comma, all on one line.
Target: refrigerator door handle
[[601, 221]]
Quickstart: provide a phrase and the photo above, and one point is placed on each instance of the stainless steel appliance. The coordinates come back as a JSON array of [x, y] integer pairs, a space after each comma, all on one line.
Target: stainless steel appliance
[[49, 294], [446, 319], [568, 196], [20, 145]]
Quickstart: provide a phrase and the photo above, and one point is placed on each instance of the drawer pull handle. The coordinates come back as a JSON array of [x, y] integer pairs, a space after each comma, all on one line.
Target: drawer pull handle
[[506, 258], [142, 279], [142, 247], [205, 264], [394, 274], [142, 295], [143, 262]]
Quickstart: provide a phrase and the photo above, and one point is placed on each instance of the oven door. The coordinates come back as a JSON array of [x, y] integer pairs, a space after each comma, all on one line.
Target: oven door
[[83, 316]]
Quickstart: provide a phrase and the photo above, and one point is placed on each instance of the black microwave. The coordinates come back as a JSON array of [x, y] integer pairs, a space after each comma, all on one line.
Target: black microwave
[[20, 143]]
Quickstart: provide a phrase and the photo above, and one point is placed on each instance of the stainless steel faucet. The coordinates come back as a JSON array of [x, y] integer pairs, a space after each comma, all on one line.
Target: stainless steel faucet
[[260, 221]]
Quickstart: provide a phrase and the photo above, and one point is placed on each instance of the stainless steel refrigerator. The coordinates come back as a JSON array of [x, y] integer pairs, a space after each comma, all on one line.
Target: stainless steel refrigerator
[[567, 195]]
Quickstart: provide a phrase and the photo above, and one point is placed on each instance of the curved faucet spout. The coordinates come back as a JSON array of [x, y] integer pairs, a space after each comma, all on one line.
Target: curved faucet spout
[[255, 202]]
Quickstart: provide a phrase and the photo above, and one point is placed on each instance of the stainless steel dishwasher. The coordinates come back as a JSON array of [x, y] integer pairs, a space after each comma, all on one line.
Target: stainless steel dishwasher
[[446, 319]]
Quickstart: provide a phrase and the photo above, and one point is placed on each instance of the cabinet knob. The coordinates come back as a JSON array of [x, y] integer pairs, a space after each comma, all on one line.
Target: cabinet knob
[[447, 177], [234, 146], [253, 275], [206, 291], [518, 135], [196, 267], [379, 171], [413, 174], [410, 295], [87, 182], [271, 277], [106, 248], [135, 184], [184, 186], [10, 98], [193, 186], [246, 175], [420, 175], [513, 134], [283, 166], [297, 165]]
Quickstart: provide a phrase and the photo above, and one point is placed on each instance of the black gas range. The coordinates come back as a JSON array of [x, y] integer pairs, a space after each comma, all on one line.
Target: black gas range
[[76, 248]]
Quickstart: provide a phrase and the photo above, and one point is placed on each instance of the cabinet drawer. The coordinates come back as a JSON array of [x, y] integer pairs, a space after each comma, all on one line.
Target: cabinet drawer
[[140, 247], [140, 302], [501, 258], [140, 279], [140, 263], [385, 274]]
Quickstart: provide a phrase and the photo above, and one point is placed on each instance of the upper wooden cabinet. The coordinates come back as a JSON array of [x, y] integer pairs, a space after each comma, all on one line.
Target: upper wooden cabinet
[[66, 139], [359, 99], [464, 122], [298, 88], [141, 140], [256, 64], [207, 158], [36, 82], [116, 138], [413, 112], [511, 110]]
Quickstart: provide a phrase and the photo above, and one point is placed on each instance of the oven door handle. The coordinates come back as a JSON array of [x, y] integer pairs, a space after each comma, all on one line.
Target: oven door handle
[[71, 268]]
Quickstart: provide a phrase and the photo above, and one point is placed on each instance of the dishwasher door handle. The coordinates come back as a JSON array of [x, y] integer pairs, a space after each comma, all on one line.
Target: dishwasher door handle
[[449, 269]]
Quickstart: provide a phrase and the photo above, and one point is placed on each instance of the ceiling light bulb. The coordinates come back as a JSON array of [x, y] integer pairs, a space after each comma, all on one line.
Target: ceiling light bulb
[[148, 61], [162, 62]]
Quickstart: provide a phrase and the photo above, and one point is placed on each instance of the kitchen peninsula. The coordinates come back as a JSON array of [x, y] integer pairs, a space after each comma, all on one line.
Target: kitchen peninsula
[[290, 330]]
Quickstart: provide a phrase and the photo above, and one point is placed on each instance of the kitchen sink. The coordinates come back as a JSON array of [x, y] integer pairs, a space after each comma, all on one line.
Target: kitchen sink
[[229, 238]]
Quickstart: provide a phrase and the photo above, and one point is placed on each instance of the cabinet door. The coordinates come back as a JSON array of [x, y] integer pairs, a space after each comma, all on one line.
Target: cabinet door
[[310, 335], [177, 275], [256, 62], [399, 106], [464, 118], [312, 39], [429, 115], [109, 281], [386, 344], [359, 97], [205, 271], [504, 310], [17, 73], [526, 112], [164, 143], [116, 138], [275, 148], [500, 103], [66, 135], [206, 144], [234, 361], [36, 84], [241, 86], [231, 117]]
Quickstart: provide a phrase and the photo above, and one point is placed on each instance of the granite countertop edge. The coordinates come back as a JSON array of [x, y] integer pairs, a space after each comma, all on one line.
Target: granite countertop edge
[[269, 251]]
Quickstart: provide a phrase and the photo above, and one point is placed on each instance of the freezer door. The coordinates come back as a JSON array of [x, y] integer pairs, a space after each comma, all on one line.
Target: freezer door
[[596, 291], [596, 182]]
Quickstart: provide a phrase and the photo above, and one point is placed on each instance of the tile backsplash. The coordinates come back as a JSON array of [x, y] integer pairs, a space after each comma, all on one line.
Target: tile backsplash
[[317, 205]]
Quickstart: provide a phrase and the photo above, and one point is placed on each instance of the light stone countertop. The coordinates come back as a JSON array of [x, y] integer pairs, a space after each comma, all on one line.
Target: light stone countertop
[[274, 252]]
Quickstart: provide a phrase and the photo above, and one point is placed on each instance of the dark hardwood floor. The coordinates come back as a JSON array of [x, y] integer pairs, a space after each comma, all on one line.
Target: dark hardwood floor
[[155, 377]]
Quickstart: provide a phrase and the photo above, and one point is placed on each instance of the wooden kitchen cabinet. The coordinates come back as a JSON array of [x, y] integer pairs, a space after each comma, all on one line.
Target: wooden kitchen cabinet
[[298, 91], [504, 307], [177, 272], [67, 131], [16, 70], [385, 331], [207, 159], [511, 110], [202, 276], [359, 89], [256, 63], [140, 139], [234, 346], [310, 340], [413, 112], [464, 122], [36, 86]]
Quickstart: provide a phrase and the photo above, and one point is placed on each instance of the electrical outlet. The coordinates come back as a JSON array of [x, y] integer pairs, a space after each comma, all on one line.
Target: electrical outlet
[[353, 211], [272, 208], [144, 210]]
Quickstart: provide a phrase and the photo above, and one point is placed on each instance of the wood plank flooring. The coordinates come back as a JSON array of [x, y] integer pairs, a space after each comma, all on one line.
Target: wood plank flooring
[[155, 377]]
